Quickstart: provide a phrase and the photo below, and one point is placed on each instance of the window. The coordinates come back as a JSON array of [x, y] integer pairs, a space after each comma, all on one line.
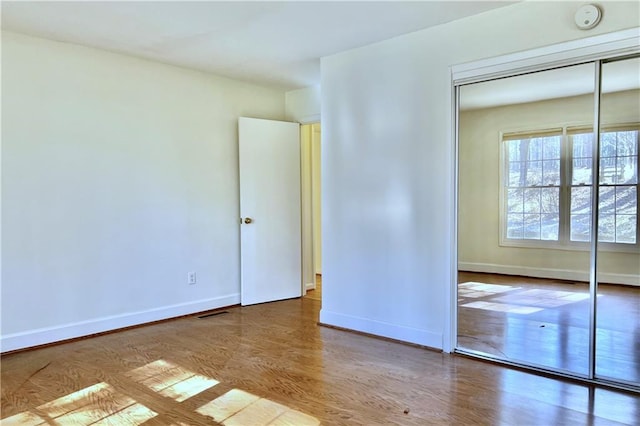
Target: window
[[548, 187], [533, 188]]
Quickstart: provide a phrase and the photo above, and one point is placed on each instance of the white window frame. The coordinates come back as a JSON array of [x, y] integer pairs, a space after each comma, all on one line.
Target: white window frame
[[564, 232]]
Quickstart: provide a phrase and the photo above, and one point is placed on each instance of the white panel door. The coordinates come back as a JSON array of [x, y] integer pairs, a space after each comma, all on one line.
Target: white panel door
[[270, 236]]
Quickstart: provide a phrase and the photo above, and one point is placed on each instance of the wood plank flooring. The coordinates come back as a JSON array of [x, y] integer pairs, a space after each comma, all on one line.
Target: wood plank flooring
[[546, 322], [272, 364]]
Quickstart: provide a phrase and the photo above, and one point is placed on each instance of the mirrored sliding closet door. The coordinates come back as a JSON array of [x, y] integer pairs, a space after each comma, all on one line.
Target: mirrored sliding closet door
[[618, 258], [547, 162]]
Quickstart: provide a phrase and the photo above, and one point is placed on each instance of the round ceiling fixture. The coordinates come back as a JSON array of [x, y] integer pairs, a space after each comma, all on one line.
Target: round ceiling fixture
[[588, 16]]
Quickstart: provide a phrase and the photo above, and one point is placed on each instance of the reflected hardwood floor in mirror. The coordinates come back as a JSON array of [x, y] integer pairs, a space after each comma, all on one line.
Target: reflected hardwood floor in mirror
[[272, 364], [546, 322]]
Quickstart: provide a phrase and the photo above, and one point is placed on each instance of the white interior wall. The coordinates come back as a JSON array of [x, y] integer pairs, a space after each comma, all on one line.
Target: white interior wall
[[479, 189], [303, 105], [119, 177], [388, 164]]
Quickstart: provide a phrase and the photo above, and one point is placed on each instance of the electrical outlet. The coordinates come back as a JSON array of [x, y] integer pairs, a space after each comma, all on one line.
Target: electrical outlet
[[191, 278]]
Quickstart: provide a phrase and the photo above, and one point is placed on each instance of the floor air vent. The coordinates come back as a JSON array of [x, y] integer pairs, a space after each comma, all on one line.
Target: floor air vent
[[212, 314]]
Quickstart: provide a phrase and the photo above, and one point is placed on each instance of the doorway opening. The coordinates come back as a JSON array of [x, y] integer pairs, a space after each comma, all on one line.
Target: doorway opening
[[310, 139]]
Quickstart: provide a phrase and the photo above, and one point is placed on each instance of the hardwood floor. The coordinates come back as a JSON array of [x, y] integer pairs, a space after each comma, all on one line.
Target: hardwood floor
[[272, 364], [546, 322]]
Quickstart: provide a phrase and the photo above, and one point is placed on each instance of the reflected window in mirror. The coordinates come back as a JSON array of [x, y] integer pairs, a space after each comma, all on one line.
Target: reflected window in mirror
[[539, 168]]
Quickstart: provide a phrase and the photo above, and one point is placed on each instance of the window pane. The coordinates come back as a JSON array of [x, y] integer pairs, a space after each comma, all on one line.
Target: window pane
[[580, 227], [626, 229], [532, 226], [551, 172], [551, 148], [618, 202], [514, 226], [608, 144], [532, 200], [550, 226], [534, 173], [550, 200], [607, 201], [626, 200], [515, 200], [581, 171], [627, 169], [607, 228], [581, 200], [619, 161], [608, 170], [514, 149], [580, 213], [514, 174], [582, 145], [627, 143], [535, 149]]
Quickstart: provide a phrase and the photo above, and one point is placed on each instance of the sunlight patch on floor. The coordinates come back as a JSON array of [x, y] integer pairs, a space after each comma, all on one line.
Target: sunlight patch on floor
[[543, 298], [23, 419], [503, 307], [170, 380], [238, 407], [227, 405], [476, 289], [518, 302], [76, 400], [103, 405], [133, 415], [99, 404]]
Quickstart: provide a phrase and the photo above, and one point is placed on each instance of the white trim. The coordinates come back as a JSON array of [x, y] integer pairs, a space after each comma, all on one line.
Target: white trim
[[450, 330], [384, 329], [556, 55], [310, 286], [42, 336], [559, 274], [577, 246]]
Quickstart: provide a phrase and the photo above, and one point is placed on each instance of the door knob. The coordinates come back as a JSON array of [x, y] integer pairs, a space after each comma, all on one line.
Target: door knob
[[248, 220]]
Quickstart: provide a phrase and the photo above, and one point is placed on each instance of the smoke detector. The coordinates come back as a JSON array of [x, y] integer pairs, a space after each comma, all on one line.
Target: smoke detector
[[588, 16]]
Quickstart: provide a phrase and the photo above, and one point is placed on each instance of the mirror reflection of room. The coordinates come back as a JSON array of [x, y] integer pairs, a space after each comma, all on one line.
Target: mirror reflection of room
[[618, 307], [525, 152]]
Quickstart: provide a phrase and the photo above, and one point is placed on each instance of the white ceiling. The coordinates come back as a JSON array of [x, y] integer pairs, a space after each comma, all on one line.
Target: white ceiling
[[275, 43]]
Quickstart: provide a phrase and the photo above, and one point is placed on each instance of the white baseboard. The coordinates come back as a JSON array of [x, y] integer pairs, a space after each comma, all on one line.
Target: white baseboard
[[384, 329], [559, 274], [42, 336], [310, 286]]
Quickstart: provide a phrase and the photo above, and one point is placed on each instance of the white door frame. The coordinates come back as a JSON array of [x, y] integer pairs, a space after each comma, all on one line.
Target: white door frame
[[308, 279], [309, 236]]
